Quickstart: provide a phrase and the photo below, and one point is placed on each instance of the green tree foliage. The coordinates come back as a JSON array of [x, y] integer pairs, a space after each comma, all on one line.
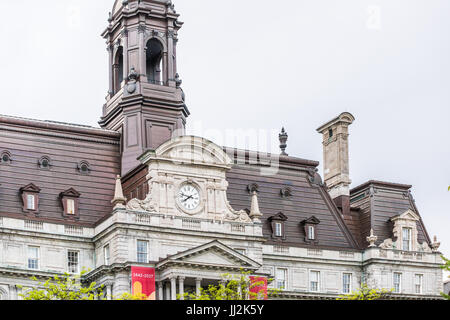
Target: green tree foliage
[[367, 293], [66, 287], [236, 287], [70, 287], [446, 267]]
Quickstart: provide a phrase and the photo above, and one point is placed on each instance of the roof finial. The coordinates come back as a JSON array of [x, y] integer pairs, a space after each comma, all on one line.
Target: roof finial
[[372, 239], [119, 200], [255, 213], [435, 245], [283, 141]]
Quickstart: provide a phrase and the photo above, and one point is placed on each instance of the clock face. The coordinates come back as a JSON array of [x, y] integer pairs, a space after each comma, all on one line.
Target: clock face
[[189, 197]]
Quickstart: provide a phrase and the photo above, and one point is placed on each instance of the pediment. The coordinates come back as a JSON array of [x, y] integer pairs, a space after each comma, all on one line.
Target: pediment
[[30, 188], [311, 220], [70, 193], [278, 217], [407, 215], [190, 150], [213, 254]]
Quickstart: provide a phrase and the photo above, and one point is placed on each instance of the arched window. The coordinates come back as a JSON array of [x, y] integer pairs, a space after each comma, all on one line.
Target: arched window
[[154, 61], [118, 69]]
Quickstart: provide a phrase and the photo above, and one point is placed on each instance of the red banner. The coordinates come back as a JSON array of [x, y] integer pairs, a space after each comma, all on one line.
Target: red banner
[[143, 282], [258, 286]]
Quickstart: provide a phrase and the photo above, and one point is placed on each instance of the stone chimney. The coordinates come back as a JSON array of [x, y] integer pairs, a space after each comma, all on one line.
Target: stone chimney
[[336, 159]]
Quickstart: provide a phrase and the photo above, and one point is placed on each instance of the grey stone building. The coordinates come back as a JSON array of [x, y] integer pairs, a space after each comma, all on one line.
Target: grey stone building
[[138, 192]]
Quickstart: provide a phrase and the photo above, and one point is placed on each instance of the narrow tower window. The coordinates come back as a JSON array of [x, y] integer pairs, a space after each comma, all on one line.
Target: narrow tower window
[[118, 70], [154, 61]]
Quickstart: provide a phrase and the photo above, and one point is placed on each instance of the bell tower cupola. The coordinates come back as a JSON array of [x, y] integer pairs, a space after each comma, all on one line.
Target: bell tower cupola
[[145, 101]]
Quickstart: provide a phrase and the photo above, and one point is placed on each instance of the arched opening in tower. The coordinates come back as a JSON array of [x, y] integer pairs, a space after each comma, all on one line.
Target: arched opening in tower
[[154, 61], [118, 70]]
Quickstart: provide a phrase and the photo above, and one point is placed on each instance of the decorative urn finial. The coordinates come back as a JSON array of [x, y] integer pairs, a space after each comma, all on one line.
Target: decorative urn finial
[[255, 212], [372, 239], [435, 245], [283, 141]]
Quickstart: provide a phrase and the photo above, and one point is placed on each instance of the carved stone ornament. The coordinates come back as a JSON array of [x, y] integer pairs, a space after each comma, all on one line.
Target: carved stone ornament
[[435, 245], [143, 205], [132, 79], [314, 177], [286, 192], [388, 244]]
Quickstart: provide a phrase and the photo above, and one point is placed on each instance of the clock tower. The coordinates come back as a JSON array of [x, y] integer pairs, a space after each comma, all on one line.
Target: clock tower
[[145, 102]]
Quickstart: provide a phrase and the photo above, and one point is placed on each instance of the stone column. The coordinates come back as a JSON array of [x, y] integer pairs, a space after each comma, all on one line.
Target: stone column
[[110, 67], [160, 291], [109, 291], [12, 292], [181, 287], [198, 285], [168, 57], [142, 52], [167, 290], [18, 292], [173, 288], [126, 68]]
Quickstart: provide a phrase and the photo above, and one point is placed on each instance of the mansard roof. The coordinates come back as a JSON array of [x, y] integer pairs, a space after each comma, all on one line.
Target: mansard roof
[[28, 140], [378, 204]]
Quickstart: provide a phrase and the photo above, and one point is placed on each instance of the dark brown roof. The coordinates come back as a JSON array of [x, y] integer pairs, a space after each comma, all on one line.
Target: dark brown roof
[[66, 145], [378, 202]]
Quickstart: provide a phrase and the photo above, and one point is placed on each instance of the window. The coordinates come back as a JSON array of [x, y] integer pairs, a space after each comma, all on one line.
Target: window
[[70, 202], [72, 261], [33, 258], [84, 167], [281, 278], [397, 282], [346, 283], [278, 230], [30, 198], [70, 209], [311, 233], [107, 254], [142, 251], [418, 278], [44, 163], [31, 202], [407, 239], [314, 279], [154, 60], [5, 157]]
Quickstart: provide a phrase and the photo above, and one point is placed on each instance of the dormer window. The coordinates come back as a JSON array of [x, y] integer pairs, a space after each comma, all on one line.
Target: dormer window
[[84, 167], [278, 224], [70, 203], [44, 163], [5, 157], [405, 230], [310, 226], [30, 198]]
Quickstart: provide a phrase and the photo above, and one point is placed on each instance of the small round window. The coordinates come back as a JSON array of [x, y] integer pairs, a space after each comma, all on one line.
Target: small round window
[[5, 157], [83, 167], [44, 163]]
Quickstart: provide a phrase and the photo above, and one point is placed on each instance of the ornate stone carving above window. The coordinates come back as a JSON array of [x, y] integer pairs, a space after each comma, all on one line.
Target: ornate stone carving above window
[[70, 203], [310, 227], [30, 198], [278, 225]]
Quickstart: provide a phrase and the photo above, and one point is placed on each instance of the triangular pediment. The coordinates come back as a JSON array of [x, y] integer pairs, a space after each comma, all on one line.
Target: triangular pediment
[[280, 216], [212, 254], [311, 220], [30, 188], [70, 193], [407, 215]]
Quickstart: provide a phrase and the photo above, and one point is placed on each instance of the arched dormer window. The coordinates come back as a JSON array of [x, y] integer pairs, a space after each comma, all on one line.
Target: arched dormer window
[[118, 69], [5, 157], [44, 163], [154, 61]]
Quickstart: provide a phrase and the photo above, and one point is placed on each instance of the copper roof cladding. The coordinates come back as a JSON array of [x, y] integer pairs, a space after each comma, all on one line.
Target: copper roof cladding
[[377, 202], [309, 198], [66, 145]]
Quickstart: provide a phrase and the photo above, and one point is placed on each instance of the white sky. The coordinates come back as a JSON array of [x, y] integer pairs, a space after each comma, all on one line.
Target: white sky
[[262, 64]]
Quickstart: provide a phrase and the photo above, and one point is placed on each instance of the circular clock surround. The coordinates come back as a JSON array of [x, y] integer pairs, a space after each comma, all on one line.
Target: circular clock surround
[[189, 197]]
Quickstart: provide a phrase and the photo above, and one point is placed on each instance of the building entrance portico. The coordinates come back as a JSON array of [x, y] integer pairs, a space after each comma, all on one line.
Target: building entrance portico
[[203, 266]]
